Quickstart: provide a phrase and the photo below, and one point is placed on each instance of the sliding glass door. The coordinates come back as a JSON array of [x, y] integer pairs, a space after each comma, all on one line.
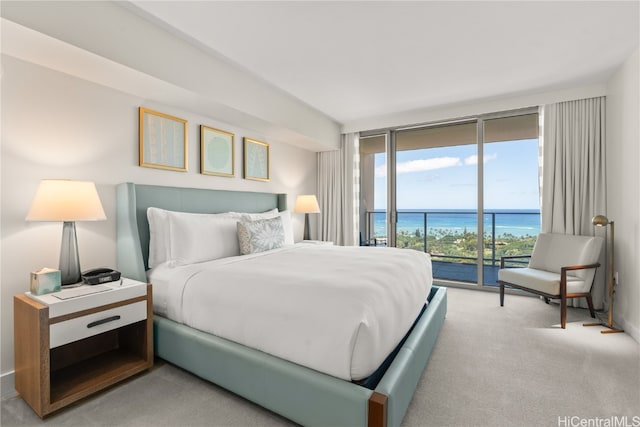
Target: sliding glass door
[[436, 197], [373, 190], [511, 189], [464, 191]]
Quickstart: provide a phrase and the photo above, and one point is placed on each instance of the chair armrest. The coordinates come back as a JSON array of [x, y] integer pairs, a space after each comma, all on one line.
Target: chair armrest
[[580, 267], [508, 257], [563, 274]]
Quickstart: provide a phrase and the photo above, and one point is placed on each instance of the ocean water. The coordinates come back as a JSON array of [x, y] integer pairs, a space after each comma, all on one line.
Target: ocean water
[[515, 222]]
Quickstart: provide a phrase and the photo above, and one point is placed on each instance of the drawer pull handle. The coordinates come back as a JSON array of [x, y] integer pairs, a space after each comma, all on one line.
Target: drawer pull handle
[[103, 321]]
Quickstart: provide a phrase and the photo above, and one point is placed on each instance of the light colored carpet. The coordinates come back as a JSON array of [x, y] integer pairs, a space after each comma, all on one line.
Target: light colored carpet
[[492, 366]]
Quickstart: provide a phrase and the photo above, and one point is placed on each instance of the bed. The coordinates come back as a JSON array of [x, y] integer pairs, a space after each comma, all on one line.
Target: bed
[[304, 395]]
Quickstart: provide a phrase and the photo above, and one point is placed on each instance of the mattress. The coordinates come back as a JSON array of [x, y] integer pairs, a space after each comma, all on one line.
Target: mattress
[[338, 310]]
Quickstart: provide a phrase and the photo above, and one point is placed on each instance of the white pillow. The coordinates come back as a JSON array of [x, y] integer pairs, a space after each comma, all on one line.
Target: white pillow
[[160, 239], [255, 216], [287, 225], [260, 235], [158, 236], [197, 238]]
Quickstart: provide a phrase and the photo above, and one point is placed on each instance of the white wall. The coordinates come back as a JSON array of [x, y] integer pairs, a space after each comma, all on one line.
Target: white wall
[[623, 189], [59, 126]]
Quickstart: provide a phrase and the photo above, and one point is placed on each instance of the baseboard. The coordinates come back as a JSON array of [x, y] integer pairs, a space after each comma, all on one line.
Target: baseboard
[[7, 386], [630, 329]]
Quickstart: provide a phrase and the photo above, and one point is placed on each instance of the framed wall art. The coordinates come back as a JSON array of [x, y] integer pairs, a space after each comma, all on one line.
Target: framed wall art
[[163, 141], [216, 152], [256, 160]]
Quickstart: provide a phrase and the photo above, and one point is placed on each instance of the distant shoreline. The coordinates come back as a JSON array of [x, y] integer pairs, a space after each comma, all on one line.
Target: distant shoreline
[[486, 211], [514, 222]]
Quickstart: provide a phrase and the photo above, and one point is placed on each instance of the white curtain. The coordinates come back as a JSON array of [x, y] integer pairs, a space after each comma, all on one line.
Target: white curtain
[[573, 173], [338, 192]]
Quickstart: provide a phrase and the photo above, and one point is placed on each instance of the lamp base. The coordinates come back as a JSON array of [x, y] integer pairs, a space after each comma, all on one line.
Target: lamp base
[[611, 329], [307, 234], [69, 259]]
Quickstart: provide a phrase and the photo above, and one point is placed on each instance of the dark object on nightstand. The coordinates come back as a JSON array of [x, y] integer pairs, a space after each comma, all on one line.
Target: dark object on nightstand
[[100, 275]]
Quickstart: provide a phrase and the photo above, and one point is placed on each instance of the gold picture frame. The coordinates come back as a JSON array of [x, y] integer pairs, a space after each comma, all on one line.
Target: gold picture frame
[[162, 141], [256, 159], [217, 152]]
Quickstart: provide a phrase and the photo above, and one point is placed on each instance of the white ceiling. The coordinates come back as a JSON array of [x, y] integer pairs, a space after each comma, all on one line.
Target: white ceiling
[[362, 59]]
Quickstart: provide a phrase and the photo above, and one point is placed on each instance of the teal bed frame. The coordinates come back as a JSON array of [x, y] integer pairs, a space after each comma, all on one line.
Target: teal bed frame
[[298, 393]]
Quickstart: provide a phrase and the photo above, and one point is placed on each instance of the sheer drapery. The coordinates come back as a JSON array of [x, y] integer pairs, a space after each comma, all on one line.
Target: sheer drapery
[[573, 172], [338, 179]]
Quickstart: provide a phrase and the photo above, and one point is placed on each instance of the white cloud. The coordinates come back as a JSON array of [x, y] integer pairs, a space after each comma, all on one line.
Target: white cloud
[[421, 165], [473, 160]]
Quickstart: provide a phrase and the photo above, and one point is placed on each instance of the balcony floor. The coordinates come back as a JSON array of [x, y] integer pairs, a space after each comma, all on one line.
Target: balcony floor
[[460, 272]]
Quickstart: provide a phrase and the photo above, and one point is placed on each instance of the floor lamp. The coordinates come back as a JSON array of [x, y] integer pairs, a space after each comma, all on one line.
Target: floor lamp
[[306, 204], [67, 201], [603, 221]]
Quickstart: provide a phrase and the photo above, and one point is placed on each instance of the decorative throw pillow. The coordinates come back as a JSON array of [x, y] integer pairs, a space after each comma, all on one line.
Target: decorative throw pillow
[[260, 235], [286, 221]]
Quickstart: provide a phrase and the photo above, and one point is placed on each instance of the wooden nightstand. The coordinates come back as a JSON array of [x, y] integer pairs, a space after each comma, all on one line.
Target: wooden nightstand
[[68, 349]]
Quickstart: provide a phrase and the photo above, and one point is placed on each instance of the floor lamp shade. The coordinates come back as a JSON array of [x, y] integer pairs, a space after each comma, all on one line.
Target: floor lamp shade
[[67, 201], [306, 204]]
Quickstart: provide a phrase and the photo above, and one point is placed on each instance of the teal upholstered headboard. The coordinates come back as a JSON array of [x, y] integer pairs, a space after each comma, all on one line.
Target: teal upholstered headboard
[[132, 227]]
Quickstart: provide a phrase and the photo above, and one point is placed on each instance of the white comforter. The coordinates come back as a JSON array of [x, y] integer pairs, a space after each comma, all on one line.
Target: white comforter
[[338, 310]]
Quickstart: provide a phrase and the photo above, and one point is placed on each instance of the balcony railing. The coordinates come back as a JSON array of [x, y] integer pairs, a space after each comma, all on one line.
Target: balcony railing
[[452, 235]]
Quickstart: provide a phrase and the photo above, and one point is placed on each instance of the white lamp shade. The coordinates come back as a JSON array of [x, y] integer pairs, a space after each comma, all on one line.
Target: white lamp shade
[[66, 200], [306, 203]]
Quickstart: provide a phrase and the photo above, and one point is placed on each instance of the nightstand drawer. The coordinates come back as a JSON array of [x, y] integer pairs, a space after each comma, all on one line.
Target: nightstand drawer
[[96, 323]]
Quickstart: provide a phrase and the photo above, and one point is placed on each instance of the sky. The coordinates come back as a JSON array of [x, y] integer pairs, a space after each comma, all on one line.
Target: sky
[[446, 177]]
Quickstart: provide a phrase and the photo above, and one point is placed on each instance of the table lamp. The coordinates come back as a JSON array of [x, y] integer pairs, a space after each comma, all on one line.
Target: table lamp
[[603, 221], [67, 201], [306, 204]]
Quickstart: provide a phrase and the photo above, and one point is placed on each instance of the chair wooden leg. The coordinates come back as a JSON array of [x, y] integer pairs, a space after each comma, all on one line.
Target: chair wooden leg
[[590, 303], [501, 295], [563, 311]]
